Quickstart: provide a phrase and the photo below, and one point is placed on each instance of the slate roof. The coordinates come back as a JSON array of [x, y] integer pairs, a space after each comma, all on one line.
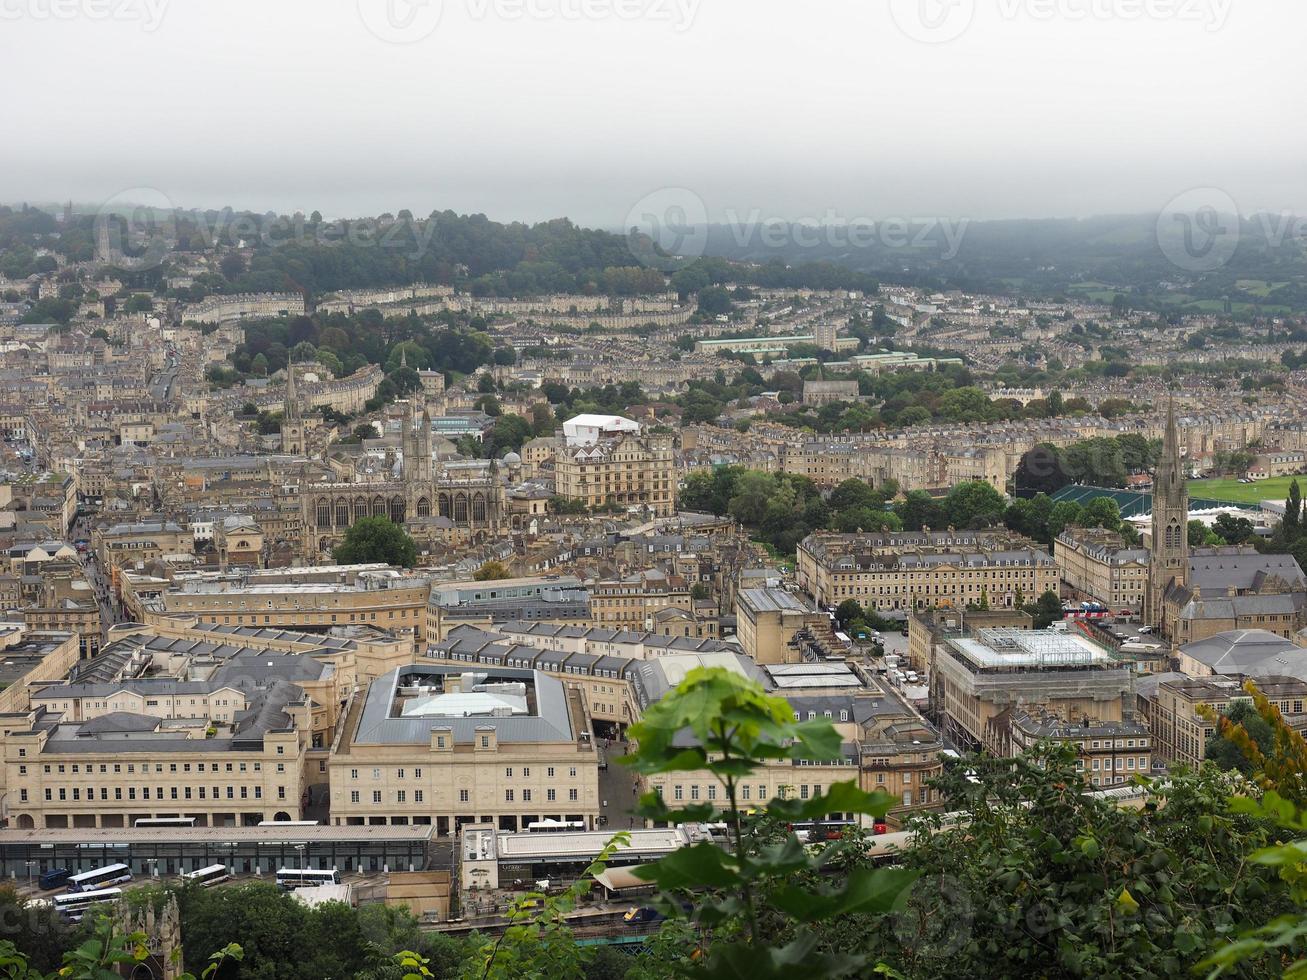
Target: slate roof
[[1242, 651], [551, 722]]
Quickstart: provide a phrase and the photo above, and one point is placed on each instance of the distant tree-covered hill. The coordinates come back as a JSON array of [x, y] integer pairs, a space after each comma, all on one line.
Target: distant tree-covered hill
[[1092, 258], [274, 253]]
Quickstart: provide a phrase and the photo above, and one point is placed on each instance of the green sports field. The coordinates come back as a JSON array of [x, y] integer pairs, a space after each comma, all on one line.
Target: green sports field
[[1276, 488]]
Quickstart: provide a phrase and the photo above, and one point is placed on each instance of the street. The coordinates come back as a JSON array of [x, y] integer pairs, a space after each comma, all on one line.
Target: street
[[616, 786], [109, 614]]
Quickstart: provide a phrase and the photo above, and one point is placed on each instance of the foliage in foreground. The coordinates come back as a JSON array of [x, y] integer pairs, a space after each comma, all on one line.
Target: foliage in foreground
[[1040, 877], [1031, 875], [719, 722], [1279, 767], [538, 941], [101, 956]]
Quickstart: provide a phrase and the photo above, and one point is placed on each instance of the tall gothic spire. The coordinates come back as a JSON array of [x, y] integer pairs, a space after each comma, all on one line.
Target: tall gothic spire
[[291, 410], [1169, 551], [1168, 465]]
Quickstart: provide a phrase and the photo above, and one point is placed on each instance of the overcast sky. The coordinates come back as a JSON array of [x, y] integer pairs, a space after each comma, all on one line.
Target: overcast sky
[[530, 109]]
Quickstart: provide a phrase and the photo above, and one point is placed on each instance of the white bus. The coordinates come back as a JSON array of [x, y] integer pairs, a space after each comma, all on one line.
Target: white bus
[[287, 823], [292, 878], [554, 826], [73, 906], [113, 874], [165, 822], [205, 877]]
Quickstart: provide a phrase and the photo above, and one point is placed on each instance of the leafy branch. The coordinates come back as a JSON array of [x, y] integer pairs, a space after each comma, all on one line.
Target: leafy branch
[[726, 725]]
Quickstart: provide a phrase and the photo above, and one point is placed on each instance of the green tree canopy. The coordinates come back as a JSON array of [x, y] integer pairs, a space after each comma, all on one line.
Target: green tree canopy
[[376, 539]]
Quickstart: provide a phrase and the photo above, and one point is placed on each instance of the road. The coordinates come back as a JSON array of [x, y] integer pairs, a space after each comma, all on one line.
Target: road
[[161, 384], [109, 609], [895, 643], [616, 787]]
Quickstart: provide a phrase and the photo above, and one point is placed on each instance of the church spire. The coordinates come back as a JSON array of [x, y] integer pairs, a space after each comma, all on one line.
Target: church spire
[[1169, 549], [291, 410], [1168, 465]]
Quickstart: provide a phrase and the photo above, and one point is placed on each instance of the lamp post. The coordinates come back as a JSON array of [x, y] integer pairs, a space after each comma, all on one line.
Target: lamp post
[[30, 866]]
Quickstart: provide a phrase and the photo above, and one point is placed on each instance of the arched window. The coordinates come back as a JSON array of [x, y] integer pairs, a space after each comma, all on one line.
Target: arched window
[[324, 513], [479, 508], [460, 509], [342, 512], [378, 507], [360, 508], [444, 505], [397, 509], [424, 507]]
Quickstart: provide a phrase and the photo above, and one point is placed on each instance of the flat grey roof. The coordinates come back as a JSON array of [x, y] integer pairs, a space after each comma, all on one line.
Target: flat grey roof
[[552, 721], [773, 600], [586, 843]]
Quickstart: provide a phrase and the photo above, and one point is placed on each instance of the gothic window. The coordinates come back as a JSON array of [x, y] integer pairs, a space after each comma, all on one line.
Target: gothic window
[[460, 509], [424, 507], [444, 505], [397, 509], [342, 512], [378, 507], [478, 508], [360, 508], [324, 513]]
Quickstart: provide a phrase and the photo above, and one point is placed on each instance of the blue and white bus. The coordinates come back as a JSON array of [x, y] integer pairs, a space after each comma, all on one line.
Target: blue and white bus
[[113, 874], [292, 878], [74, 905], [205, 877]]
